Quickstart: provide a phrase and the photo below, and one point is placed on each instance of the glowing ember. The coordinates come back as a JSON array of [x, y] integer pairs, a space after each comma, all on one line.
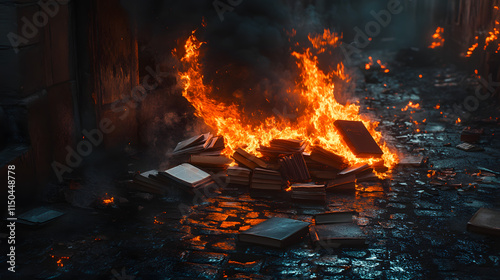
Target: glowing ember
[[437, 106], [491, 37], [438, 40], [458, 121], [109, 200], [314, 124], [471, 49], [369, 64], [410, 105], [59, 262], [383, 66]]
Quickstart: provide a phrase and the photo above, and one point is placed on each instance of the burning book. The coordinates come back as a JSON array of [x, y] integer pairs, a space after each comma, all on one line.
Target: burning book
[[266, 179], [248, 160], [204, 144], [358, 139], [211, 163], [357, 169], [310, 191], [343, 184], [324, 157], [238, 175], [279, 147], [294, 168], [323, 174]]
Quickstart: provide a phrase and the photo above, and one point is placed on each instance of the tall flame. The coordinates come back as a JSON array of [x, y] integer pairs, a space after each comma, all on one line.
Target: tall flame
[[314, 123]]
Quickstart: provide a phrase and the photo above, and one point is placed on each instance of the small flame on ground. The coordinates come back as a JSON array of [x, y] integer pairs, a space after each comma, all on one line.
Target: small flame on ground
[[108, 200]]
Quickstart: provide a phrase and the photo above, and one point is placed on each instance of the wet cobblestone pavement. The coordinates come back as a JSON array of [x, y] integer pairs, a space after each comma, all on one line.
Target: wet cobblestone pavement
[[416, 230]]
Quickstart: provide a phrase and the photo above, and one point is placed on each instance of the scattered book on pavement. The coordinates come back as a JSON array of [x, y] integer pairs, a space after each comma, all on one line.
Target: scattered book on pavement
[[275, 232]]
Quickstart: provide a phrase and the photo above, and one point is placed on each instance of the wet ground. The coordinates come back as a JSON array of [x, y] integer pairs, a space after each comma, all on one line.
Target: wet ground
[[415, 222]]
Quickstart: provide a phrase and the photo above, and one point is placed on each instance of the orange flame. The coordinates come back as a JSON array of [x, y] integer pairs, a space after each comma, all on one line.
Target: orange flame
[[315, 123], [438, 40], [109, 200], [320, 42]]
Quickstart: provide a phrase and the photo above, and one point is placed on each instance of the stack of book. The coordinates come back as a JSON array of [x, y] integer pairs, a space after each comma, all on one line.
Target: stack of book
[[362, 172], [346, 179], [266, 179], [294, 168], [278, 147], [333, 230], [319, 171], [342, 184], [308, 192], [238, 175], [204, 144], [248, 160], [210, 163], [324, 157], [185, 176]]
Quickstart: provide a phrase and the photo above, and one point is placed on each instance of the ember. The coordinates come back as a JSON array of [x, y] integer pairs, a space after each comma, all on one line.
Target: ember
[[410, 105], [438, 40], [108, 200]]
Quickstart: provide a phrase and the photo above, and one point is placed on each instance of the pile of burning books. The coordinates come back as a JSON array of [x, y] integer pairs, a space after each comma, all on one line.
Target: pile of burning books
[[284, 165]]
